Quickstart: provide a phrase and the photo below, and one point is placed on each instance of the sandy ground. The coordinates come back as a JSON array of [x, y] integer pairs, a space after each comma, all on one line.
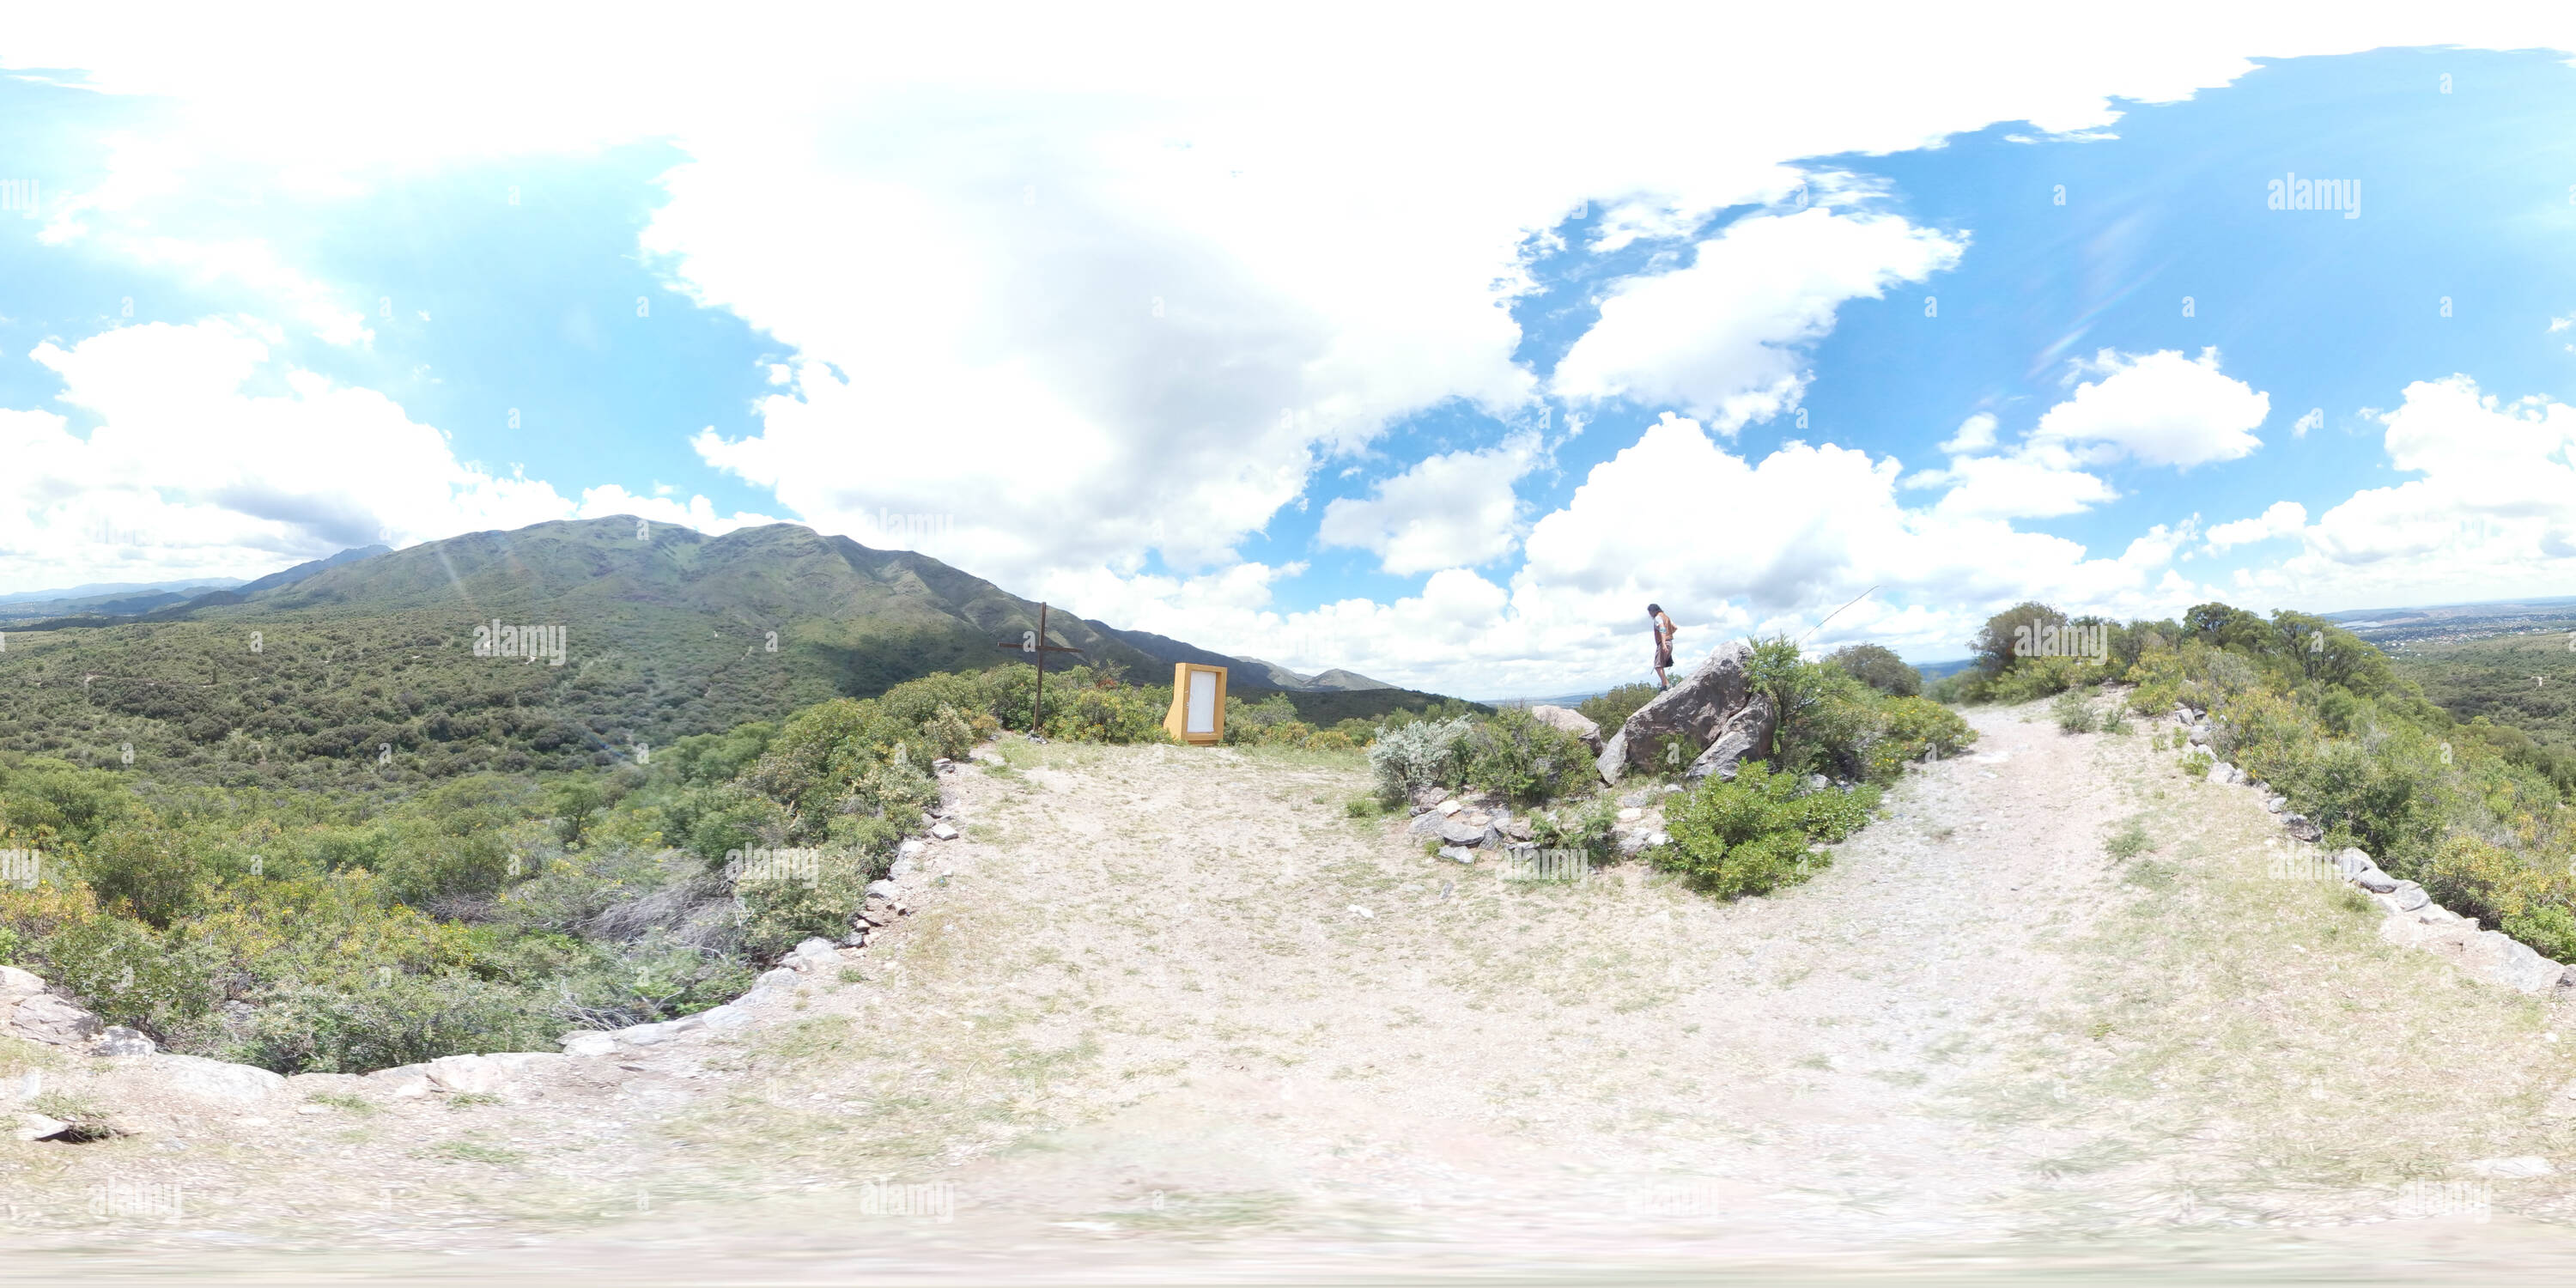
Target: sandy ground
[[1173, 1017]]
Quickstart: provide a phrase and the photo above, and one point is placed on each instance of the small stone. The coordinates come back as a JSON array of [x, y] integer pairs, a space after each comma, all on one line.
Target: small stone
[[881, 890], [39, 1127], [1448, 807], [1458, 852], [1631, 814], [2276, 804], [590, 1044], [943, 831], [120, 1040]]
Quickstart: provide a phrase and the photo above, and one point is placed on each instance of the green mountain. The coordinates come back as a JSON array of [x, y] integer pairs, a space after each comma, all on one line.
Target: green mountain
[[365, 672]]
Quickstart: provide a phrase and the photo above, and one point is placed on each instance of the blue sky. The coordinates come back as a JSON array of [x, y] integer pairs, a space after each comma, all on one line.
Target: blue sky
[[1442, 387]]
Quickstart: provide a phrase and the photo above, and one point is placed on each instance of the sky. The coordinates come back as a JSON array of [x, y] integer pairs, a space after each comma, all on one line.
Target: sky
[[1433, 345]]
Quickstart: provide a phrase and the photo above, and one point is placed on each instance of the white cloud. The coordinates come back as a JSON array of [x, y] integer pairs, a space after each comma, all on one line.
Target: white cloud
[[2158, 408], [1976, 434], [1453, 510], [194, 467], [2493, 513], [2315, 419], [2283, 519], [1723, 338]]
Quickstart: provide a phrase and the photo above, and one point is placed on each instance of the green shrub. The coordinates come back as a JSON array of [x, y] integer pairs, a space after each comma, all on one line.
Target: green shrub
[[1750, 836], [2115, 720], [1363, 807], [2197, 764], [1419, 756], [1525, 759], [2072, 713], [1587, 828], [1247, 721], [1612, 709], [400, 1020], [1879, 668], [1912, 729]]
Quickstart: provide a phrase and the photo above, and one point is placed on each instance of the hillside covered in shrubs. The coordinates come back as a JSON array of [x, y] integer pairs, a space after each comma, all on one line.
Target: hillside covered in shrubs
[[2469, 810]]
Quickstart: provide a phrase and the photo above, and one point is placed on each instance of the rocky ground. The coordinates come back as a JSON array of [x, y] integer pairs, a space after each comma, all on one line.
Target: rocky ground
[[1167, 1014]]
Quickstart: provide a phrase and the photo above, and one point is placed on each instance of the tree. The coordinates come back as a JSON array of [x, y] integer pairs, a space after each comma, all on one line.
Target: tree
[[1993, 646], [1878, 667]]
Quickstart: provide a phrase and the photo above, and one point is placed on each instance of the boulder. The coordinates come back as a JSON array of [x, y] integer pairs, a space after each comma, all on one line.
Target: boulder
[[468, 1074], [2302, 828], [214, 1079], [2376, 882], [53, 1021], [2225, 774], [1706, 706], [589, 1044], [2276, 804], [1517, 829], [2200, 735], [120, 1040], [2408, 896], [943, 831], [2352, 862], [1571, 721], [1458, 852], [881, 890], [1747, 736], [17, 985], [1457, 832]]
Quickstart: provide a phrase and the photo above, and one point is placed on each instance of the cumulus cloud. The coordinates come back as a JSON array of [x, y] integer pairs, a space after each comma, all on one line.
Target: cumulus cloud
[[1976, 434], [1452, 510], [2159, 409], [1723, 338], [2283, 519], [208, 457]]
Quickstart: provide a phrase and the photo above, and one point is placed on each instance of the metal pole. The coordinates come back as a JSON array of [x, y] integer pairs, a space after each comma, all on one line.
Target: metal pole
[[1037, 722]]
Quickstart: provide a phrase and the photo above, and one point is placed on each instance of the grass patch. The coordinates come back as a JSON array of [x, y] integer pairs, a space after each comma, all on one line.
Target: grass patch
[[466, 1151], [2128, 842], [358, 1105], [470, 1099]]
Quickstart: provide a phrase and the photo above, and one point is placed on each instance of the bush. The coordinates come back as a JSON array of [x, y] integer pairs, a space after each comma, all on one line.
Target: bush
[[1879, 668], [2198, 763], [1258, 722], [1750, 836], [1525, 759], [1363, 807], [397, 1021], [1419, 756], [1910, 729], [1612, 709], [1586, 828], [2073, 713]]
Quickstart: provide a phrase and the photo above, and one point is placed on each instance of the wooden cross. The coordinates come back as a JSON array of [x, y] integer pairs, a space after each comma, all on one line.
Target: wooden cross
[[1035, 642]]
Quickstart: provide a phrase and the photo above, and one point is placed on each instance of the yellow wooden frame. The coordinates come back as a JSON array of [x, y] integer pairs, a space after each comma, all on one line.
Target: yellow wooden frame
[[1177, 720]]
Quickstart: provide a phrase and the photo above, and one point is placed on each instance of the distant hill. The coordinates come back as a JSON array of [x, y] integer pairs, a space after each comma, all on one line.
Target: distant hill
[[363, 664], [108, 598]]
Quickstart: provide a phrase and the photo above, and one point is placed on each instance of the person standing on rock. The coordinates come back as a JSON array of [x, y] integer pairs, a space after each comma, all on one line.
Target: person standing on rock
[[1663, 643]]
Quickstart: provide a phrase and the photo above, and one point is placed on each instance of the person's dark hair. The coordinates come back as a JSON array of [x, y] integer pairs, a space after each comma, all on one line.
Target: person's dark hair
[[1652, 609]]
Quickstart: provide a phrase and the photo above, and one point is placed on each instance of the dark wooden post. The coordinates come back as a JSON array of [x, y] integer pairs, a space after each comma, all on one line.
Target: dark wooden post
[[1038, 645]]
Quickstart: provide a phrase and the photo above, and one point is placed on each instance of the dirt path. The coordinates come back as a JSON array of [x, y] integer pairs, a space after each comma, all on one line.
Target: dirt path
[[1173, 1015]]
